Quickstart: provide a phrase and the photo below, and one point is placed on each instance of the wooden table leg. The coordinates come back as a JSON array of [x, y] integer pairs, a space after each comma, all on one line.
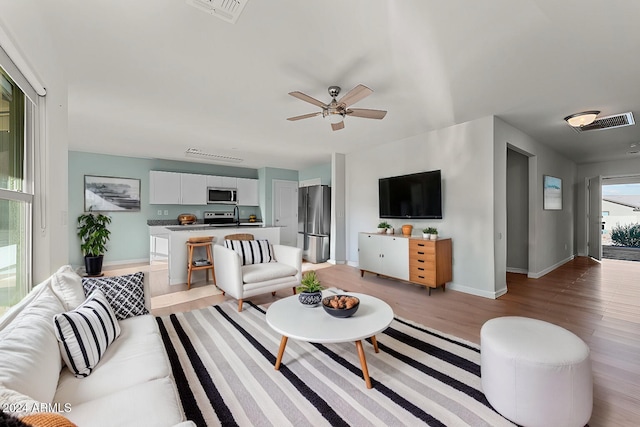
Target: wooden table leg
[[374, 341], [283, 344], [363, 363]]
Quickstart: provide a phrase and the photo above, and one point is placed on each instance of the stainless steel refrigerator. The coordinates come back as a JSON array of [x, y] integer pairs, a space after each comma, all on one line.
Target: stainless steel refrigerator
[[314, 222]]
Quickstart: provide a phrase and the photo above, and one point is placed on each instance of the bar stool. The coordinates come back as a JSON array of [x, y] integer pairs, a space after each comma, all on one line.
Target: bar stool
[[198, 242]]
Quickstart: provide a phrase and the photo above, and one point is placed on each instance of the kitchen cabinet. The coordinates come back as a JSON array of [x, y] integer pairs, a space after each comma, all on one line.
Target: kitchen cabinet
[[384, 254], [193, 189], [248, 192], [165, 188], [221, 181]]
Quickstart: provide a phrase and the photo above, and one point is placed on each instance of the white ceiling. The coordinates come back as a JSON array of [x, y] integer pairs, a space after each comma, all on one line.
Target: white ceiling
[[151, 78]]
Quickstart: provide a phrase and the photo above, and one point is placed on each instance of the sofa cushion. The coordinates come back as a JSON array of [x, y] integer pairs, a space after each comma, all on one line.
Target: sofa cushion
[[154, 403], [124, 293], [262, 272], [85, 333], [67, 285], [251, 251], [30, 360], [137, 356]]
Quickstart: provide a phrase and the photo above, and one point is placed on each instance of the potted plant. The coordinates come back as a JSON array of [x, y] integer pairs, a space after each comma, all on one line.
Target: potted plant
[[310, 289], [93, 233], [428, 232], [434, 233], [383, 226]]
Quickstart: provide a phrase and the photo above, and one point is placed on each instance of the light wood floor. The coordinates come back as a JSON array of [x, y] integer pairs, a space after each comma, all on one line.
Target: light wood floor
[[598, 302]]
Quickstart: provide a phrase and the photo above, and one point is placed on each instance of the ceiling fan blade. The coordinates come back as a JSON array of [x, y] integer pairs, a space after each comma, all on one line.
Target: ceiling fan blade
[[304, 116], [308, 99], [354, 95], [337, 126], [366, 113]]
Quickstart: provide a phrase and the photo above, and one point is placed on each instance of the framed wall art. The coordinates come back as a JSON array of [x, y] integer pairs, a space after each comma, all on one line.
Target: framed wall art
[[552, 193], [111, 194]]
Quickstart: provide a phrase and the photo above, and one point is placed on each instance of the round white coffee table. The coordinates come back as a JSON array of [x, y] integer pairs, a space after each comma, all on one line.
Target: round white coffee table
[[312, 324]]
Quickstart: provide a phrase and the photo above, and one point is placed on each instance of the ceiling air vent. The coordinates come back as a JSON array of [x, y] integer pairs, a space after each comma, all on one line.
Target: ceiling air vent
[[227, 10], [196, 152], [609, 122]]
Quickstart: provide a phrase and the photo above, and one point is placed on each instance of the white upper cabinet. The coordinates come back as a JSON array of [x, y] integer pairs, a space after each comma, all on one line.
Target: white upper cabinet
[[193, 189], [248, 192], [174, 188], [221, 181], [164, 188]]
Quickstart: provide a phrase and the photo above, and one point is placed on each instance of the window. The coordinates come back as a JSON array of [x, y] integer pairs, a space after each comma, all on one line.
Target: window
[[16, 195]]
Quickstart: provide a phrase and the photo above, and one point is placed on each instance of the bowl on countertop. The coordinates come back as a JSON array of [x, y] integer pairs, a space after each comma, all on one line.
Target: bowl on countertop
[[341, 305]]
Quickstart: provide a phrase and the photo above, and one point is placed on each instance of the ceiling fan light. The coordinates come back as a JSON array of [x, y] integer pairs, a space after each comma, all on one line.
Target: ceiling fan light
[[582, 119], [335, 118]]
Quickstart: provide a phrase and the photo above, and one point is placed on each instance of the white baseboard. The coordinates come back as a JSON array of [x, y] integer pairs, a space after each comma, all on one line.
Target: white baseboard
[[476, 292], [517, 270], [539, 274]]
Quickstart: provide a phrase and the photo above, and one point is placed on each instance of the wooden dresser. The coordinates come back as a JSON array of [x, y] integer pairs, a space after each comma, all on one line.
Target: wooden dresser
[[430, 262]]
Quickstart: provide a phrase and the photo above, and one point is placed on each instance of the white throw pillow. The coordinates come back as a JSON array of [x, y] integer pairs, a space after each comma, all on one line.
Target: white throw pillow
[[85, 333], [251, 251], [124, 293], [67, 285], [30, 360]]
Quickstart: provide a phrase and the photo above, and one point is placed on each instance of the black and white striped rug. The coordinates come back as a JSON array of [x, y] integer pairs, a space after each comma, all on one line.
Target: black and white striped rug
[[223, 361]]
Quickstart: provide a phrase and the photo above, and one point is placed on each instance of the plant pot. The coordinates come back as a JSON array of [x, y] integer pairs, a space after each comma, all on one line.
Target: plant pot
[[382, 230], [310, 299], [407, 229], [434, 237], [390, 230], [93, 265], [426, 236]]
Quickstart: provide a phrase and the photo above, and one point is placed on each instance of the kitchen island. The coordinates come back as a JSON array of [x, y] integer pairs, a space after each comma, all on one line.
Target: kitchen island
[[178, 236]]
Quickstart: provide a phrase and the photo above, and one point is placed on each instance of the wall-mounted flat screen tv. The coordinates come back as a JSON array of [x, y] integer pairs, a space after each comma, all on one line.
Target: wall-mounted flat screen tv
[[417, 196]]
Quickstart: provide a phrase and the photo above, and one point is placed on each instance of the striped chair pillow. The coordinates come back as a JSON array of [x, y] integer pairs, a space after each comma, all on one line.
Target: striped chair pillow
[[251, 251], [85, 333]]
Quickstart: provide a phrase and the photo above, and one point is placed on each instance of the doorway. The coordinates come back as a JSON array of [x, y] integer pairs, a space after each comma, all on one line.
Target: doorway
[[285, 210], [517, 212], [620, 221]]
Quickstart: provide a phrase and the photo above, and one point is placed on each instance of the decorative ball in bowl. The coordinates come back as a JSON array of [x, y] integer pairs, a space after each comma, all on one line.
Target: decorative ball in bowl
[[341, 305]]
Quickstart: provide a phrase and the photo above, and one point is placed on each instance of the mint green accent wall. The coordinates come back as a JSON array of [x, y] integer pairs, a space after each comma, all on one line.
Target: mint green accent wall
[[129, 233], [266, 177], [320, 171]]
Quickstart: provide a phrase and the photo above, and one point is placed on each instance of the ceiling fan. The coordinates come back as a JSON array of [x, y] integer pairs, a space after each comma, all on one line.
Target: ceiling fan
[[337, 110]]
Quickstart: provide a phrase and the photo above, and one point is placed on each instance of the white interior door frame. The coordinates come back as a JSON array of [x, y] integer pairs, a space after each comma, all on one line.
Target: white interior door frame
[[594, 223]]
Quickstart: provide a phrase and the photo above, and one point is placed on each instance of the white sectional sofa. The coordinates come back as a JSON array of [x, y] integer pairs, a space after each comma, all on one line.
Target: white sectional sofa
[[132, 384]]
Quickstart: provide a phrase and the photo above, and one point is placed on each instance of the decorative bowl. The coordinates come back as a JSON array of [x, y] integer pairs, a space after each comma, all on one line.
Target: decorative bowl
[[341, 305]]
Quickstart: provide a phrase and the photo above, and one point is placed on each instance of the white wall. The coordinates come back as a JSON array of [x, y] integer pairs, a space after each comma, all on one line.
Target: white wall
[[464, 154], [618, 168], [23, 22]]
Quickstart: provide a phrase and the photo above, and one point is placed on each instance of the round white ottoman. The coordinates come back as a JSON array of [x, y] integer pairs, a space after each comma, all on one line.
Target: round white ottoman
[[536, 373]]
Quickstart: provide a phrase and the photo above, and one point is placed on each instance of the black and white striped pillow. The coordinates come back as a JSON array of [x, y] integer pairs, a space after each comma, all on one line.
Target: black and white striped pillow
[[85, 333], [124, 293], [251, 251]]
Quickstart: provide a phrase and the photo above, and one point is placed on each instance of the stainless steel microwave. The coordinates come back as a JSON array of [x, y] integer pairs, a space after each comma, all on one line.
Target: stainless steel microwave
[[222, 195]]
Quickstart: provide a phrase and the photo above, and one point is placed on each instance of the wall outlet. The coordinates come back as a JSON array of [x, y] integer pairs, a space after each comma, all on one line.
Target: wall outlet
[[159, 212], [166, 212]]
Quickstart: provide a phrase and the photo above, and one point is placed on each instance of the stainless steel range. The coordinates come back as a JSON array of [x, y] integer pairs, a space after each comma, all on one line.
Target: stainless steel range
[[219, 218]]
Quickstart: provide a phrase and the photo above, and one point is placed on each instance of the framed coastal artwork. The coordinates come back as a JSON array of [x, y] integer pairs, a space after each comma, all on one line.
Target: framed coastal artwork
[[552, 193], [111, 194]]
